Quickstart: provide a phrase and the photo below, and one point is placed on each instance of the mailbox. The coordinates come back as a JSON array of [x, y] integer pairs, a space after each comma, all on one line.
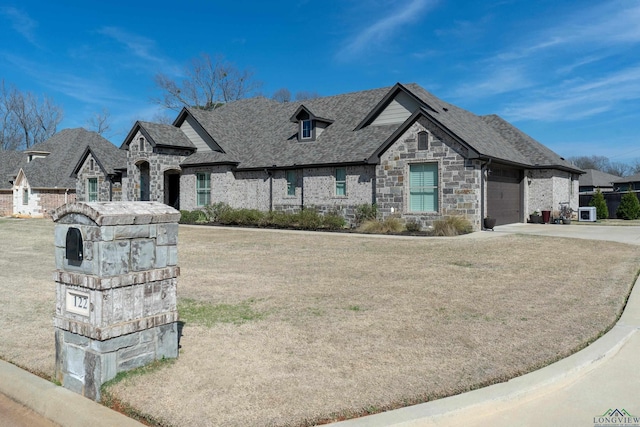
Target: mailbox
[[74, 246], [116, 280]]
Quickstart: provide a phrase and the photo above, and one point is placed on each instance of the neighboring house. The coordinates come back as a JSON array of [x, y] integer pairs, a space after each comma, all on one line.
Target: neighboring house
[[594, 179], [9, 161], [412, 154], [628, 183], [42, 178]]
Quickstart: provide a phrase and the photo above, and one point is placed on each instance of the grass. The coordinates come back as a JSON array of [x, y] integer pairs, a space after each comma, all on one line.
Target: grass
[[293, 329], [207, 314]]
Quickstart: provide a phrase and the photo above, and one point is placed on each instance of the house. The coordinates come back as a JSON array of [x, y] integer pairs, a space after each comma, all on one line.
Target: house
[[594, 179], [42, 178], [412, 154], [628, 183]]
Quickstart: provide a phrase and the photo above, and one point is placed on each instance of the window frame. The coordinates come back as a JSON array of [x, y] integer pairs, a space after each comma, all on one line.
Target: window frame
[[340, 184], [291, 178], [92, 196], [425, 135], [423, 191], [303, 128], [25, 196], [141, 144], [203, 193]]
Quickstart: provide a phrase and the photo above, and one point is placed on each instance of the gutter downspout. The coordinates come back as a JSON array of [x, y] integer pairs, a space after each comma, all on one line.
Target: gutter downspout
[[270, 175]]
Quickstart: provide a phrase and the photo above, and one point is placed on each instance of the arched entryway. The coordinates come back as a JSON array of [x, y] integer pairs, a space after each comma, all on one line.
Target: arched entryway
[[172, 188], [145, 178]]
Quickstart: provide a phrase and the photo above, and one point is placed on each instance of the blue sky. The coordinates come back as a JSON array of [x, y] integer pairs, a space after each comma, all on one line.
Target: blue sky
[[566, 72]]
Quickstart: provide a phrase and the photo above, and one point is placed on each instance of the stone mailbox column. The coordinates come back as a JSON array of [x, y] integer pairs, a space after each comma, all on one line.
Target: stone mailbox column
[[116, 277]]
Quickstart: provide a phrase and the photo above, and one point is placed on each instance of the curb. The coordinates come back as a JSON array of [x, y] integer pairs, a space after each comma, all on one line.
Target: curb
[[521, 389], [56, 403]]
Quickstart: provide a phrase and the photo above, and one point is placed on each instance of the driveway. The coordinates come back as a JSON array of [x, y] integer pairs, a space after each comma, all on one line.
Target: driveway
[[622, 234]]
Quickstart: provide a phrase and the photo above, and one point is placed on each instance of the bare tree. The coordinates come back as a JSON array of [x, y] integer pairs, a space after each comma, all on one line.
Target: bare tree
[[635, 167], [25, 119], [591, 162], [618, 168], [305, 94], [208, 84], [282, 95], [100, 122]]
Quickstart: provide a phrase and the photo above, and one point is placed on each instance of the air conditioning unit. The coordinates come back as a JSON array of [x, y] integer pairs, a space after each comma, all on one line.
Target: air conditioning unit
[[587, 213]]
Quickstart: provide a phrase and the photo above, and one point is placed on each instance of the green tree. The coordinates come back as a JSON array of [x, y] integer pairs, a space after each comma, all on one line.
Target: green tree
[[602, 211], [629, 206]]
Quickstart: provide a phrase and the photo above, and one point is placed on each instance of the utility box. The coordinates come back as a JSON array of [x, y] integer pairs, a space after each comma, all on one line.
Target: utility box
[[587, 213], [116, 279]]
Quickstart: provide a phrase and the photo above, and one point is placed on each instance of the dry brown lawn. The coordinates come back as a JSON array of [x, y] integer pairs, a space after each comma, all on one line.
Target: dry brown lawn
[[331, 325]]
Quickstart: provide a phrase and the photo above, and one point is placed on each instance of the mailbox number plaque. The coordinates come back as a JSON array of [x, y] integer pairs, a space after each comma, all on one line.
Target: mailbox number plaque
[[78, 302]]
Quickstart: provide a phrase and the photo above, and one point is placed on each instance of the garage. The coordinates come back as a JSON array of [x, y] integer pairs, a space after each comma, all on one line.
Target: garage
[[504, 194]]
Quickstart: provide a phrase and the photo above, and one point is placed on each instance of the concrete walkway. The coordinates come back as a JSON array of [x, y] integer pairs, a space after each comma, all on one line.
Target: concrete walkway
[[576, 391], [581, 390]]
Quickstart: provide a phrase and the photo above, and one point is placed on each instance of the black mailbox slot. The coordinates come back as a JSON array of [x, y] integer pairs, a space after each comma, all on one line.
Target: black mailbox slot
[[74, 246]]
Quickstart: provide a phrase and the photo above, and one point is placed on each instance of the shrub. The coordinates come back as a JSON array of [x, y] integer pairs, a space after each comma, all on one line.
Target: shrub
[[452, 226], [278, 219], [333, 221], [389, 225], [308, 219], [241, 217], [213, 212], [629, 206], [191, 217], [602, 211], [366, 212], [413, 226]]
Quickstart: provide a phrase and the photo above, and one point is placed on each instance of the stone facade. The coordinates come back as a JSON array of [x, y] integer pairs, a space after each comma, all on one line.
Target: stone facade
[[6, 202], [108, 190], [459, 182], [160, 161], [116, 298], [546, 189]]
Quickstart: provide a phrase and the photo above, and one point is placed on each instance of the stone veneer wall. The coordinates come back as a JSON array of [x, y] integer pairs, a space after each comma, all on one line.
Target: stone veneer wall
[[128, 276], [82, 182], [458, 183], [549, 188], [160, 160]]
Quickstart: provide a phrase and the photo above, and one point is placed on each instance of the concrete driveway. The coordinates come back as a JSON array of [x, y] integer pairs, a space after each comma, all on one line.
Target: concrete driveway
[[621, 233]]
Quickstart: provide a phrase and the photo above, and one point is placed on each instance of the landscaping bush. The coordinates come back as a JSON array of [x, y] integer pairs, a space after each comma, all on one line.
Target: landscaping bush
[[213, 212], [389, 225], [629, 206], [241, 217], [452, 226], [278, 219], [192, 217], [602, 211], [333, 221], [366, 212], [413, 226], [308, 219]]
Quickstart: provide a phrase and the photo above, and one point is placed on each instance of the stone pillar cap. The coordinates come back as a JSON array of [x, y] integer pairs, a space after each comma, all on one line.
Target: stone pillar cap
[[119, 213]]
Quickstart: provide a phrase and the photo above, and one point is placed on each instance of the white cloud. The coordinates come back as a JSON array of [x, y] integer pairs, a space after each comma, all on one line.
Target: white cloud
[[384, 28], [499, 81], [21, 22], [140, 46]]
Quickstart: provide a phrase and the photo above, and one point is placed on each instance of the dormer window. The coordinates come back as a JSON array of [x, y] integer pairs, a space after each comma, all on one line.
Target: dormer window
[[306, 129], [310, 126]]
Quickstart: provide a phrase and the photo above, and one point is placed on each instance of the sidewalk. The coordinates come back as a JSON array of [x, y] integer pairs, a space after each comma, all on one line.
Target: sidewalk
[[576, 391]]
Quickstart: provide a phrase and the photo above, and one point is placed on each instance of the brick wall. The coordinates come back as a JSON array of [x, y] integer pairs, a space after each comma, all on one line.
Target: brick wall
[[547, 188], [6, 202]]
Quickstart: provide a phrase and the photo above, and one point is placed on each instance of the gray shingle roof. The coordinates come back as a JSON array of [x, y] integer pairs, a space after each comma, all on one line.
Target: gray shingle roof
[[66, 148], [626, 179], [10, 162], [596, 178], [166, 135], [257, 132]]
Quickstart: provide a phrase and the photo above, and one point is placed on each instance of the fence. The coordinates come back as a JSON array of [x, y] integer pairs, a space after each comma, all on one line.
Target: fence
[[611, 198]]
